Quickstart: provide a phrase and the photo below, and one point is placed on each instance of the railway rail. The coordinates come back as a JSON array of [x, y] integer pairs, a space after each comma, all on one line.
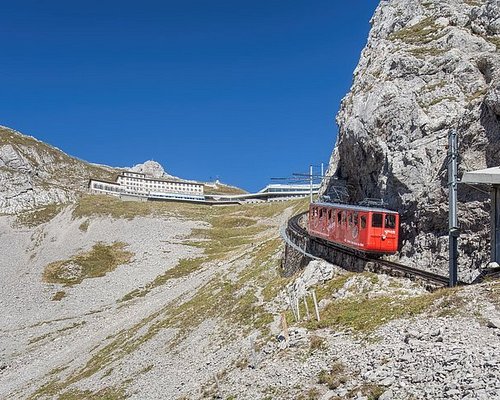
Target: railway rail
[[355, 260]]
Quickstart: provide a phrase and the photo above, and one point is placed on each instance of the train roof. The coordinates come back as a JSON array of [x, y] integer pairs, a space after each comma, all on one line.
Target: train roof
[[355, 207]]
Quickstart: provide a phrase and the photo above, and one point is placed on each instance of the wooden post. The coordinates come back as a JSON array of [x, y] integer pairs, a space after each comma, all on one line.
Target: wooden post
[[292, 306], [297, 304], [308, 316], [254, 354], [316, 309], [284, 326], [219, 393]]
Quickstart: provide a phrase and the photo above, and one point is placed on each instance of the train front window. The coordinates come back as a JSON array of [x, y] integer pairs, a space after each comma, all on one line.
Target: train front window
[[377, 220], [390, 221]]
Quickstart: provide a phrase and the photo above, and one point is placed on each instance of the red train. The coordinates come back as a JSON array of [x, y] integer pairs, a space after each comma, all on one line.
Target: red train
[[368, 229]]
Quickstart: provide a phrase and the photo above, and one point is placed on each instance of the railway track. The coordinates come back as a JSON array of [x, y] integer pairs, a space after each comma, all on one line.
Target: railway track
[[358, 261]]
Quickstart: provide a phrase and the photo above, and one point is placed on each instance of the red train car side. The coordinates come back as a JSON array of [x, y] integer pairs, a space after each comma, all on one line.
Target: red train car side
[[372, 230]]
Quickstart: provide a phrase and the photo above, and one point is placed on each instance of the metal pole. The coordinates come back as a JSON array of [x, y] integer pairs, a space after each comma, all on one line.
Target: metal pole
[[311, 181], [454, 231], [495, 224]]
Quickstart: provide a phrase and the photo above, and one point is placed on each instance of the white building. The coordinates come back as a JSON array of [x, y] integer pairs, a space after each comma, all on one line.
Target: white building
[[138, 184]]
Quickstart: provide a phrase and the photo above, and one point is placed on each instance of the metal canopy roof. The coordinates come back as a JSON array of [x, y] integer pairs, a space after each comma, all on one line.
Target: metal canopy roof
[[489, 176]]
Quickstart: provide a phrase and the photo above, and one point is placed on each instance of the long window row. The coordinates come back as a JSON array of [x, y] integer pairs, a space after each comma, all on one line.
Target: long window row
[[352, 218]]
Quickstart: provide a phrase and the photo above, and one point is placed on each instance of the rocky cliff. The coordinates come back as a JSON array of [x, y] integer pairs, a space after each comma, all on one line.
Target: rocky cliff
[[34, 174], [428, 66], [153, 169]]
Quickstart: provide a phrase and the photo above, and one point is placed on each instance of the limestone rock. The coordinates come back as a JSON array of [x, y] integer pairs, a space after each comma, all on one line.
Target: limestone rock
[[151, 168], [34, 174], [428, 66]]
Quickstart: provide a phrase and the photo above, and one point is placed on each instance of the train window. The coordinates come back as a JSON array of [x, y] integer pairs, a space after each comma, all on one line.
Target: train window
[[390, 221], [339, 217], [349, 218], [363, 222], [329, 215], [315, 212], [321, 213], [377, 220], [355, 218]]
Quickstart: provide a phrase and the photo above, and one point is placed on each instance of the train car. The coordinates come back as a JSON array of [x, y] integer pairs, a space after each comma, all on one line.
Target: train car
[[368, 229]]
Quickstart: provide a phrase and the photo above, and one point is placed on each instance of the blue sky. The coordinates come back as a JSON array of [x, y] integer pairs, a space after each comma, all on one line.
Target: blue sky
[[242, 90]]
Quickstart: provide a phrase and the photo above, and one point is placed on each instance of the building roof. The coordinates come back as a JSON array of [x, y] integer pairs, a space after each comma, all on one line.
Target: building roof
[[354, 207], [489, 176], [298, 187], [104, 181]]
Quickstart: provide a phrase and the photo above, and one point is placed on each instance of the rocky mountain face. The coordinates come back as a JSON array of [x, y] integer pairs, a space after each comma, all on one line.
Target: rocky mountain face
[[34, 174], [151, 168], [429, 66]]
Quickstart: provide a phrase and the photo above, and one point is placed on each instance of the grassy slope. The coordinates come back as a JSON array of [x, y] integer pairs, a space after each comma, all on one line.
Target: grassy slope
[[235, 296], [222, 189]]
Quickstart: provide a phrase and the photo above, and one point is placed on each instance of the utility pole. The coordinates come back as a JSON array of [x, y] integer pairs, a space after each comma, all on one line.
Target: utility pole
[[454, 231], [311, 181]]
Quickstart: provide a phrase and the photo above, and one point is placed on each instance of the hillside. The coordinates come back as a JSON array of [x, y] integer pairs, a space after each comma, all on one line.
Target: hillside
[[34, 174], [429, 66], [103, 299], [121, 300]]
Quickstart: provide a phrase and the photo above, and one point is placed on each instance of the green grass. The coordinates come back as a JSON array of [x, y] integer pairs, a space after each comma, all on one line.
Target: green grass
[[478, 94], [423, 52], [103, 394], [39, 216], [109, 206], [435, 101], [365, 315], [423, 32], [84, 226], [97, 262], [317, 343], [310, 394], [67, 328], [59, 295], [184, 268], [493, 292], [495, 40], [437, 85], [53, 389], [222, 189], [334, 377], [368, 390], [474, 3]]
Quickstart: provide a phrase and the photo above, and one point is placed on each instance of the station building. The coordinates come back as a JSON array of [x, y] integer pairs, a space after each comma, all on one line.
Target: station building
[[139, 185], [490, 177]]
